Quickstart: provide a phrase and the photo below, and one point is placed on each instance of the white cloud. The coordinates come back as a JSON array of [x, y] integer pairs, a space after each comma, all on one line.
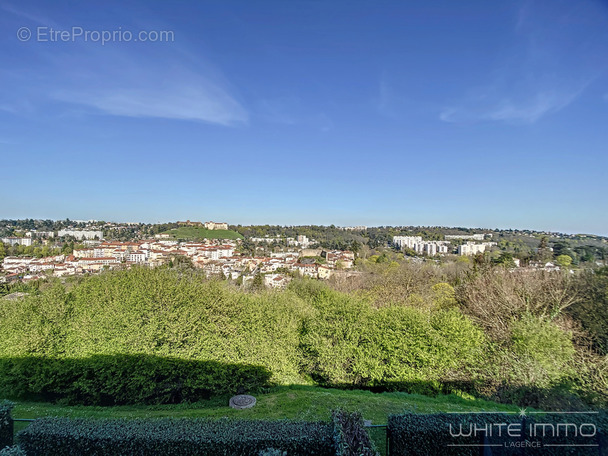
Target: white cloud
[[192, 100], [161, 80], [548, 67], [29, 16], [164, 85], [526, 109]]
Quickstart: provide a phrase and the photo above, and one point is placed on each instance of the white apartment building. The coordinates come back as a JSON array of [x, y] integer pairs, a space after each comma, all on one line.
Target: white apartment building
[[26, 241], [470, 248], [472, 237], [430, 248], [15, 263], [407, 241], [81, 234], [137, 257], [216, 226], [85, 253], [88, 262]]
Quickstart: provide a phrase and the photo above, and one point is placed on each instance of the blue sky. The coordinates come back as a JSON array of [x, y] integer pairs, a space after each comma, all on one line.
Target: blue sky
[[477, 113]]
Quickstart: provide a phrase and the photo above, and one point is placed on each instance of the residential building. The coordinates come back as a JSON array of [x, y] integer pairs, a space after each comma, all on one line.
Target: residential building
[[216, 226], [81, 234], [12, 240]]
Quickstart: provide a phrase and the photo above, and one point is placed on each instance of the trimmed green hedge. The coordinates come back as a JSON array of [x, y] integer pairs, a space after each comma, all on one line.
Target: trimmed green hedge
[[12, 451], [64, 436], [455, 434], [125, 379], [413, 434], [6, 424], [587, 423], [350, 435]]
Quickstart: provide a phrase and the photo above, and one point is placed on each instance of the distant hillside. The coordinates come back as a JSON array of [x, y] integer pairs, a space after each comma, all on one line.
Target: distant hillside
[[193, 232]]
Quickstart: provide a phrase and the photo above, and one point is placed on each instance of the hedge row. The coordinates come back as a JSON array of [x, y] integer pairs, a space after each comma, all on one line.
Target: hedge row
[[6, 424], [12, 451], [569, 429], [125, 379], [306, 332], [462, 434], [183, 437], [350, 435]]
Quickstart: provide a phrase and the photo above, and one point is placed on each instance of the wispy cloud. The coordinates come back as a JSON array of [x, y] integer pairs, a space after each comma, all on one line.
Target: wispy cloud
[[288, 110], [544, 102], [159, 80], [382, 101], [35, 17], [528, 108], [281, 110], [537, 77], [142, 88]]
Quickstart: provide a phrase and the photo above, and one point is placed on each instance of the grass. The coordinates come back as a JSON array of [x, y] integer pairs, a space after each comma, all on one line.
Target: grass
[[194, 233], [285, 402]]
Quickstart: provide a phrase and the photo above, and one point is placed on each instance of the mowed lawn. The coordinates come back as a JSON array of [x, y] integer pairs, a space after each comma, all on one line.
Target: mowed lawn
[[287, 402]]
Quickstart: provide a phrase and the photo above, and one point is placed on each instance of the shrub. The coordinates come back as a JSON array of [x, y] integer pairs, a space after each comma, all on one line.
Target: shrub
[[350, 435], [545, 428], [544, 351], [349, 343], [63, 436], [6, 424], [413, 434], [272, 452], [126, 379], [12, 451], [157, 312], [497, 297], [592, 310]]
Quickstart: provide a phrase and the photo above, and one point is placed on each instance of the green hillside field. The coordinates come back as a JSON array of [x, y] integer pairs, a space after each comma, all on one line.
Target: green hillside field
[[194, 233]]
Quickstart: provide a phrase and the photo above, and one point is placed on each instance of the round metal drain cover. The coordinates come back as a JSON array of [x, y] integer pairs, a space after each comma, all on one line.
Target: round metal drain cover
[[242, 401]]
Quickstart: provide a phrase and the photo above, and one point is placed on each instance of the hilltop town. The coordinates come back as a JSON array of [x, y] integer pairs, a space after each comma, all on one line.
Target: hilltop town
[[216, 257], [273, 255]]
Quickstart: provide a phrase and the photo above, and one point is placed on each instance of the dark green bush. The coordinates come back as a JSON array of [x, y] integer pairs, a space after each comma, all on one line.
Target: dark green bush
[[125, 379], [12, 451], [350, 435], [6, 424], [412, 434], [545, 428], [272, 452], [157, 312], [63, 436]]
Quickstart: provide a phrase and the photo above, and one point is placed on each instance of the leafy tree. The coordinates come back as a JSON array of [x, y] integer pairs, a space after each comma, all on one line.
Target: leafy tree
[[592, 309], [564, 260], [258, 282], [546, 352], [543, 253], [505, 259]]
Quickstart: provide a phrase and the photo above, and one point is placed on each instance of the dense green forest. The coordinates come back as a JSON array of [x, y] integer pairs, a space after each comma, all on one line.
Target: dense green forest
[[168, 334]]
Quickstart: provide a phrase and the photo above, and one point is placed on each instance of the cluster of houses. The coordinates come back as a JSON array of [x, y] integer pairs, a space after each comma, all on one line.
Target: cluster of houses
[[215, 257]]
